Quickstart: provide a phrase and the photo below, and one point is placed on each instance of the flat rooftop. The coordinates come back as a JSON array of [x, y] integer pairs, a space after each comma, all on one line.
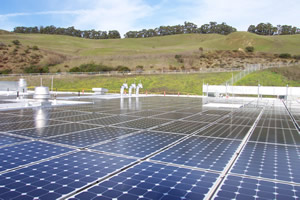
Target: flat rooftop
[[152, 148]]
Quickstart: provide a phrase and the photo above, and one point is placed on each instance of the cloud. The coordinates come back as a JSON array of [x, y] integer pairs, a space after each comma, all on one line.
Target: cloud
[[122, 15]]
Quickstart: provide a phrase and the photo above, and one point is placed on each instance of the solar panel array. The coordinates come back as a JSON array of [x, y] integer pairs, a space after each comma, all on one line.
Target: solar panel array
[[151, 148]]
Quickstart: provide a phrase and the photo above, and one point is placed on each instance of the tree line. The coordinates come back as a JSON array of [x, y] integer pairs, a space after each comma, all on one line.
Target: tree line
[[269, 29], [71, 31], [188, 27]]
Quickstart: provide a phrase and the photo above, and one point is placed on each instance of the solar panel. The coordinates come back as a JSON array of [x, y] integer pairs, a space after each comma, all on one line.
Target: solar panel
[[78, 118], [238, 121], [27, 125], [89, 137], [225, 131], [279, 162], [183, 127], [21, 154], [140, 144], [55, 178], [153, 181], [143, 123], [201, 152], [110, 120], [173, 115], [54, 130], [6, 140], [236, 187]]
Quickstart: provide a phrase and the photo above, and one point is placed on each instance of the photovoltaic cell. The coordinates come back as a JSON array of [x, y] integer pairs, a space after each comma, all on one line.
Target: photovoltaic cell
[[110, 120], [272, 161], [225, 131], [276, 135], [143, 123], [79, 118], [238, 121], [173, 115], [54, 130], [183, 127], [6, 140], [21, 154], [153, 181], [245, 188], [26, 125], [54, 178], [276, 123], [203, 118], [202, 152], [140, 144], [89, 137]]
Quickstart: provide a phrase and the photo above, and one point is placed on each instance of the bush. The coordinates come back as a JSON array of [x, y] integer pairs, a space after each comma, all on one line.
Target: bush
[[297, 57], [36, 69], [35, 48], [285, 55], [179, 58], [6, 71], [122, 68], [91, 67], [16, 42], [249, 49]]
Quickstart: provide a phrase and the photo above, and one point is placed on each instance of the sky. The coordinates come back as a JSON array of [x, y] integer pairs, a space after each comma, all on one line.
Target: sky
[[127, 15]]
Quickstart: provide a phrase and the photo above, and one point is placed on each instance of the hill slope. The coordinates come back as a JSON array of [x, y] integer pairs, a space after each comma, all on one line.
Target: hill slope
[[156, 51]]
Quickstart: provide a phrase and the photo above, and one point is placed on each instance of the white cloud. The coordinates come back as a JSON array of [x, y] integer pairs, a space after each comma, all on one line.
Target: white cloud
[[120, 15]]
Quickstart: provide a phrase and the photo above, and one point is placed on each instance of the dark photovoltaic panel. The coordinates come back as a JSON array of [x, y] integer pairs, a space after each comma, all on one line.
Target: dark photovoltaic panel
[[146, 113], [110, 120], [55, 178], [89, 137], [202, 152], [21, 154], [183, 127], [54, 130], [6, 140], [276, 123], [238, 121], [11, 119], [27, 125], [143, 123], [272, 161], [246, 188], [225, 131], [172, 115], [78, 118], [276, 135], [140, 144], [217, 112], [153, 181], [203, 118]]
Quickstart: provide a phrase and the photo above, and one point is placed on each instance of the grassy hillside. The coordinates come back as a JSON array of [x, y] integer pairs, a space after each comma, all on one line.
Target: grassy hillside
[[273, 77], [155, 52], [171, 83]]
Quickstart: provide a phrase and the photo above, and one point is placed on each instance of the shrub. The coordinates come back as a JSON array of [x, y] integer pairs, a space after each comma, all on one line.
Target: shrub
[[249, 49], [16, 42], [91, 67], [297, 57], [179, 58], [35, 48], [36, 69], [122, 68], [285, 55], [6, 71]]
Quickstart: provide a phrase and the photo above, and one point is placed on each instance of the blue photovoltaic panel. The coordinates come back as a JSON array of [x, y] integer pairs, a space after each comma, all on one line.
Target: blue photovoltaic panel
[[5, 139], [109, 120], [21, 154], [203, 152], [140, 144], [28, 124], [89, 137], [54, 130], [279, 162], [153, 181], [55, 178], [245, 188]]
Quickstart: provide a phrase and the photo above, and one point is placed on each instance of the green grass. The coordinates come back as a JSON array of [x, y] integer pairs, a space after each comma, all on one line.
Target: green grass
[[273, 77], [171, 83], [157, 45]]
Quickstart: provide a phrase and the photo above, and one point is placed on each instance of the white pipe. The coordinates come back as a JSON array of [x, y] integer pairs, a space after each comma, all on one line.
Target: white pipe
[[138, 89], [131, 87], [124, 86]]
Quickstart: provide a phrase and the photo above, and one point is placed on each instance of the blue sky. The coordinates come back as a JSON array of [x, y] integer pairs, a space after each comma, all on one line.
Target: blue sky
[[125, 15]]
